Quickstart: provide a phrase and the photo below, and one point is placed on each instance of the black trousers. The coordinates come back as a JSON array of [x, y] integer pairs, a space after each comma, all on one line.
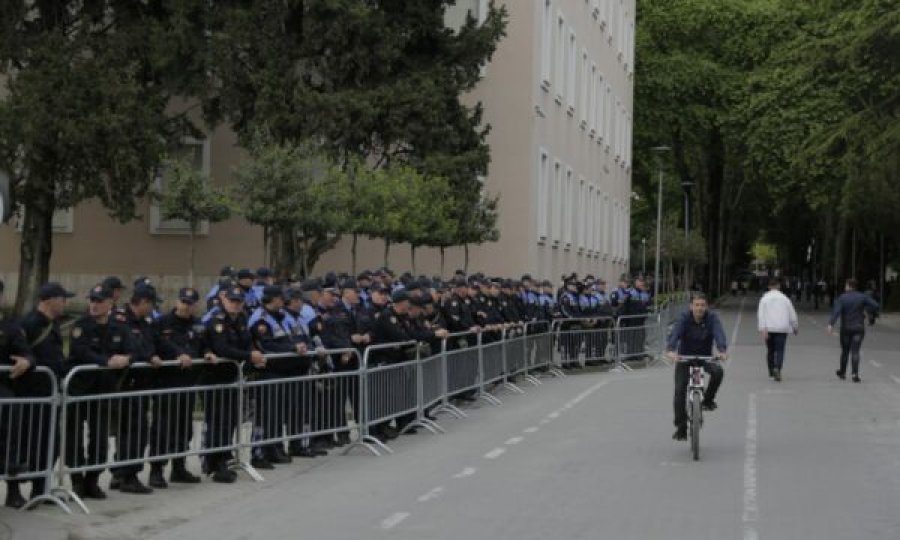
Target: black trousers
[[173, 414], [851, 341], [220, 408], [94, 416], [682, 373]]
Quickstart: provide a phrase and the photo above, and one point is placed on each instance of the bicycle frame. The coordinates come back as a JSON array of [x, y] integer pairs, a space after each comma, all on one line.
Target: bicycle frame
[[696, 389]]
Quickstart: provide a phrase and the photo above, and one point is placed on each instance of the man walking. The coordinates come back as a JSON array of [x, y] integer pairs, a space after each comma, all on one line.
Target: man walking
[[851, 307], [776, 319]]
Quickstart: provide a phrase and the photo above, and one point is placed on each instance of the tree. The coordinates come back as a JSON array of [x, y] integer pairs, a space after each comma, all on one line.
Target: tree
[[189, 197], [383, 87], [86, 113], [296, 193], [477, 223]]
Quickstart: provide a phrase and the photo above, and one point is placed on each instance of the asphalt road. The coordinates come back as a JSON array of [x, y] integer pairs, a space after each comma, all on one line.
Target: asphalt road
[[591, 456]]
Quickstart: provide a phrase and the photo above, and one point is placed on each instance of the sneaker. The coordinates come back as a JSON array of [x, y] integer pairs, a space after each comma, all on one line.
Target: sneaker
[[709, 405], [856, 378], [680, 434]]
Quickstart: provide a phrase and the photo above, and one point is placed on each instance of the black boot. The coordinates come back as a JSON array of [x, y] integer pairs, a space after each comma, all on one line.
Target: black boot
[[14, 498], [278, 455], [91, 487], [131, 484], [222, 474], [156, 479], [180, 474]]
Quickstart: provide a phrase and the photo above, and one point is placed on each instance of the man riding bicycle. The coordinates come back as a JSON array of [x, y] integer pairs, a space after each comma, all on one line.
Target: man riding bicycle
[[693, 335]]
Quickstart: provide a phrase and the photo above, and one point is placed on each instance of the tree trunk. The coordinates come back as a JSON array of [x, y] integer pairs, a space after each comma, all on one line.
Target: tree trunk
[[442, 262], [412, 257], [466, 258], [387, 252], [35, 250], [353, 253]]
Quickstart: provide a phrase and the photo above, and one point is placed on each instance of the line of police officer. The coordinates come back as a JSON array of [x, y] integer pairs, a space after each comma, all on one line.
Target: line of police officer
[[248, 318]]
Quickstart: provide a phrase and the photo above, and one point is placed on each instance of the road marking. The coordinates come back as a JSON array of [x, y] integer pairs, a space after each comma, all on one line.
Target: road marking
[[532, 429], [554, 415], [896, 379], [433, 494], [874, 363], [737, 324], [392, 521], [751, 505], [468, 471], [495, 453], [544, 421], [514, 440]]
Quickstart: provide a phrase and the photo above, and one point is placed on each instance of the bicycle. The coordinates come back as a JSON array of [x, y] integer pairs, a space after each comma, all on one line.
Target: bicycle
[[695, 396]]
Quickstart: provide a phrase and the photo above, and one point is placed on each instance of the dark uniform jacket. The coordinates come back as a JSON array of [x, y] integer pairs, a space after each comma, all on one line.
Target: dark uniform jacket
[[45, 341], [390, 327], [92, 344]]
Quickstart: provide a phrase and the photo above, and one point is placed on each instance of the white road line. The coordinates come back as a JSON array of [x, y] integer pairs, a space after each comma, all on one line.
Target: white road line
[[896, 379], [554, 415], [532, 429], [751, 504], [514, 440], [544, 421], [393, 520], [874, 363], [468, 471], [433, 494], [495, 453], [737, 324]]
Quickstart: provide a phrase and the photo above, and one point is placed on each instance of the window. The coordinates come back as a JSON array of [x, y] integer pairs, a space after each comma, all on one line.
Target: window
[[629, 126], [582, 214], [607, 114], [590, 220], [547, 45], [570, 71], [595, 8], [607, 223], [197, 153], [592, 114], [585, 88], [599, 111], [542, 198], [606, 14], [569, 198], [560, 78], [600, 222], [556, 202], [629, 49]]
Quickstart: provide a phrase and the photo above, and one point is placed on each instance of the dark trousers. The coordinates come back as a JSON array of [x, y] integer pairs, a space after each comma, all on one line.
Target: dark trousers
[[94, 415], [682, 373], [221, 413], [851, 341], [173, 414], [775, 350]]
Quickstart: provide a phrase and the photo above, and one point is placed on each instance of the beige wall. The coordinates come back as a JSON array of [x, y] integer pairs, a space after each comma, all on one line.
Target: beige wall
[[524, 117]]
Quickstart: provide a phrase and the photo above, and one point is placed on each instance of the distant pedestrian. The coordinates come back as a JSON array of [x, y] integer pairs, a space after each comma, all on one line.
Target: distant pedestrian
[[776, 319], [851, 308]]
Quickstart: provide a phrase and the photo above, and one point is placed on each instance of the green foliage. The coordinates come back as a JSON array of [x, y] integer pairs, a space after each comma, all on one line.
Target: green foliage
[[764, 253], [188, 196]]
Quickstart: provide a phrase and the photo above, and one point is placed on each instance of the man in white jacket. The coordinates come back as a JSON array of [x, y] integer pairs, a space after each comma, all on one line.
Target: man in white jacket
[[776, 319]]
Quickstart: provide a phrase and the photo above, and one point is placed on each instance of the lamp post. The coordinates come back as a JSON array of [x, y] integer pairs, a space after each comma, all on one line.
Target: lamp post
[[643, 257], [659, 151], [686, 187]]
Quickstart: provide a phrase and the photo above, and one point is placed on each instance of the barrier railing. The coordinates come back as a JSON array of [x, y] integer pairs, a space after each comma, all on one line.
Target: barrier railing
[[228, 413]]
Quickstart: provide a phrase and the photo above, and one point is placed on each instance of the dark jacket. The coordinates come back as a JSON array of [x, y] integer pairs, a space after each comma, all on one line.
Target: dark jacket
[[692, 338], [851, 308]]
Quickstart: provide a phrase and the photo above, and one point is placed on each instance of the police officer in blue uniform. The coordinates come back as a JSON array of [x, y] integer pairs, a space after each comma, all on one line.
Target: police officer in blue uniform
[[97, 340], [570, 338], [183, 334], [228, 336]]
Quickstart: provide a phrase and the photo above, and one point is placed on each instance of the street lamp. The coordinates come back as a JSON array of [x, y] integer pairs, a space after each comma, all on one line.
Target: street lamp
[[686, 187], [644, 258], [659, 151]]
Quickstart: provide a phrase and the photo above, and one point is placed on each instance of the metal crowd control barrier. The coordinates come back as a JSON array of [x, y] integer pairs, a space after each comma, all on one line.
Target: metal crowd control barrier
[[28, 420], [637, 338], [580, 341], [295, 398], [538, 351], [130, 404]]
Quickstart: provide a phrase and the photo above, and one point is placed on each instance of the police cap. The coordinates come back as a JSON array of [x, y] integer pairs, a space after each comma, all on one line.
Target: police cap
[[188, 295], [53, 290]]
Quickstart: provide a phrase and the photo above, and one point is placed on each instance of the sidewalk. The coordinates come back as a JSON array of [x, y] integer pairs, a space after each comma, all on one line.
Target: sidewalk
[[16, 525]]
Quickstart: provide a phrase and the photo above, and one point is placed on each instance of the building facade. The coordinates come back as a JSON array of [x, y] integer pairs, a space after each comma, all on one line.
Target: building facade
[[558, 95]]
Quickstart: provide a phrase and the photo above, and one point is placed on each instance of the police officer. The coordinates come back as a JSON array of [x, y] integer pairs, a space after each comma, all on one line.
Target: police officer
[[271, 328], [298, 403], [14, 351], [131, 439], [228, 336], [43, 336], [391, 327], [183, 334], [114, 284], [97, 340], [570, 339], [245, 280]]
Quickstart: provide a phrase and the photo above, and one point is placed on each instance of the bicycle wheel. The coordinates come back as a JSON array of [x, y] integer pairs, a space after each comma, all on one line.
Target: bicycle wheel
[[696, 422]]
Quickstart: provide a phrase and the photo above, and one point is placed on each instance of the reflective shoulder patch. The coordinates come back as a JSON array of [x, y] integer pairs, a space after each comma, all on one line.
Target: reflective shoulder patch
[[76, 332], [219, 328]]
